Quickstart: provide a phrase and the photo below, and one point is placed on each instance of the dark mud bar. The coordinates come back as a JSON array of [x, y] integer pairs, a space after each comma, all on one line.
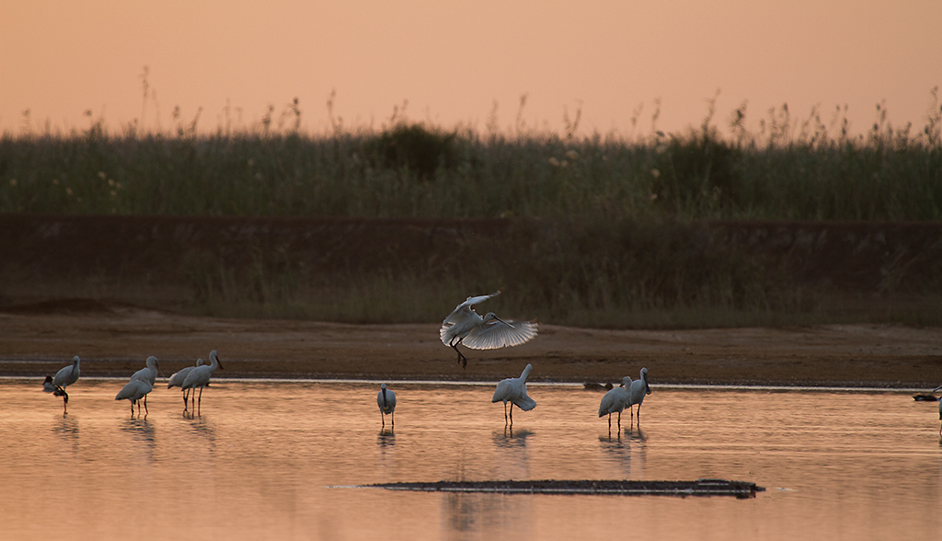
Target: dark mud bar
[[700, 487]]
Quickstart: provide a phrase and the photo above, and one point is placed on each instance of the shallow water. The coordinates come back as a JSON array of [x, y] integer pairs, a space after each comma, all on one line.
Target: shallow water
[[270, 461]]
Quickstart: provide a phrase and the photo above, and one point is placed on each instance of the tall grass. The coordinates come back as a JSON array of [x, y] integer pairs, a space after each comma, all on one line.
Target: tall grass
[[787, 170]]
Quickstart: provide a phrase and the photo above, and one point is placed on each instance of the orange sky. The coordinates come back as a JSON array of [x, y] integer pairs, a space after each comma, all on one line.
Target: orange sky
[[453, 60]]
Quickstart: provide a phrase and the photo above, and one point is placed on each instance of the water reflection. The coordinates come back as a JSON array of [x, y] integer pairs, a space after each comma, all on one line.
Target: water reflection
[[265, 465]]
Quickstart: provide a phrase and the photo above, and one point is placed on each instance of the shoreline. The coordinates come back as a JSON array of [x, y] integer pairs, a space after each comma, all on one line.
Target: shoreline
[[113, 342]]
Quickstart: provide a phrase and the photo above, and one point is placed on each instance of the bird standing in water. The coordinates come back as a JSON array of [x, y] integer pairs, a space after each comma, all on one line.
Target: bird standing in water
[[66, 376], [615, 401], [386, 400], [514, 390]]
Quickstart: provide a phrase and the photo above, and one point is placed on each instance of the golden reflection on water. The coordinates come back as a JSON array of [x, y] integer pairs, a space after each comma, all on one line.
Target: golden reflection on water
[[265, 460]]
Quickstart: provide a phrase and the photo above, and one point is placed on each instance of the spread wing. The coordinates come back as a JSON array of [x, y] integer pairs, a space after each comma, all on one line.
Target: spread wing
[[462, 318], [498, 334]]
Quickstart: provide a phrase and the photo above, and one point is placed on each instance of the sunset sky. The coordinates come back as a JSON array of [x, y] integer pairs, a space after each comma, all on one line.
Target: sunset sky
[[452, 61]]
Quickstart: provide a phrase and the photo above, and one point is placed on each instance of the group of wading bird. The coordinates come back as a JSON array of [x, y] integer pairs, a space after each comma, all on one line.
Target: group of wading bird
[[142, 382], [462, 327]]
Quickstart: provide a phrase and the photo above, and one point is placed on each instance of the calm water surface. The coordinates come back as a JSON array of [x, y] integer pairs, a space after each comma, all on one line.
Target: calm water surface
[[268, 460]]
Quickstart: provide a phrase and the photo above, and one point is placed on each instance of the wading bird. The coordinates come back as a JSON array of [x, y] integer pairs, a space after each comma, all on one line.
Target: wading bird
[[615, 401], [464, 326], [64, 377], [136, 390], [639, 388], [177, 379], [148, 374], [386, 400], [514, 390], [199, 377]]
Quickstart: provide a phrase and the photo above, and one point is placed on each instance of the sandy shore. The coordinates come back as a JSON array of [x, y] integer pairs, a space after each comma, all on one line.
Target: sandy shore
[[114, 340]]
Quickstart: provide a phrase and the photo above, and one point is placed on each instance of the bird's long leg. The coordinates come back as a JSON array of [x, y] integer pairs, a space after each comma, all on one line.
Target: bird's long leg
[[619, 422], [65, 401], [145, 406], [639, 415], [382, 418], [199, 404], [511, 414], [505, 414], [186, 397], [609, 423], [462, 360], [632, 415], [392, 417]]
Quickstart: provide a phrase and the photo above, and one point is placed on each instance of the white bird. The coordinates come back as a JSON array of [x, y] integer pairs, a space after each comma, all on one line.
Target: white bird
[[148, 374], [465, 326], [66, 376], [177, 379], [199, 377], [386, 400], [135, 390], [514, 390], [615, 401], [639, 388]]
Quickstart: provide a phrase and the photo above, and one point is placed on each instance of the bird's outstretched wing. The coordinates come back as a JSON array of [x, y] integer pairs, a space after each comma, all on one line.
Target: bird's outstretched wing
[[497, 334], [461, 318], [460, 311]]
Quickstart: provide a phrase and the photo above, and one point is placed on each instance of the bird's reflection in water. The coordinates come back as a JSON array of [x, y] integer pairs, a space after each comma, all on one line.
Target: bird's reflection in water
[[628, 450], [141, 431], [512, 438], [67, 428], [387, 437]]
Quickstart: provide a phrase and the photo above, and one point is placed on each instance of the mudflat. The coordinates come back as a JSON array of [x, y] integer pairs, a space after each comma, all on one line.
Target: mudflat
[[114, 340]]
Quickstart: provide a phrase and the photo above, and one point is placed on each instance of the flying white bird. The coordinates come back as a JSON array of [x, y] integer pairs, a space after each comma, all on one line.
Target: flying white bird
[[464, 326], [615, 401], [199, 377], [177, 379], [135, 390], [147, 374], [514, 390], [639, 388], [386, 400], [64, 377]]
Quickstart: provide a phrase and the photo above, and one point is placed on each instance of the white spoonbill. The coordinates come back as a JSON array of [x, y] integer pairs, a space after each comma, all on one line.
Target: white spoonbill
[[465, 326], [639, 388], [199, 377], [136, 390], [66, 376], [148, 374], [514, 390], [615, 401], [940, 409], [386, 400], [177, 379]]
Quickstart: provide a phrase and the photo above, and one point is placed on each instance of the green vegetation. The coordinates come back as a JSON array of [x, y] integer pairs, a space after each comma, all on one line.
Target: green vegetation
[[612, 239], [814, 172]]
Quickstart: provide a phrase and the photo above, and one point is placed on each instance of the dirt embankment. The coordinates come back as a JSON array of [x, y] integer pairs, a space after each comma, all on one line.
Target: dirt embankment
[[113, 340], [122, 262]]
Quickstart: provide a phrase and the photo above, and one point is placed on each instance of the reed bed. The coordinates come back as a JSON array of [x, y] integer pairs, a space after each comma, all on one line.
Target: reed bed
[[617, 245]]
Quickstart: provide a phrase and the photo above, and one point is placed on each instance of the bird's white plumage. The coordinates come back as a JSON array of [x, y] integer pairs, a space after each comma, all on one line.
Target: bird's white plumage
[[615, 400], [200, 375], [69, 374], [134, 390], [466, 326], [639, 388], [177, 379], [514, 390], [386, 400], [148, 373]]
